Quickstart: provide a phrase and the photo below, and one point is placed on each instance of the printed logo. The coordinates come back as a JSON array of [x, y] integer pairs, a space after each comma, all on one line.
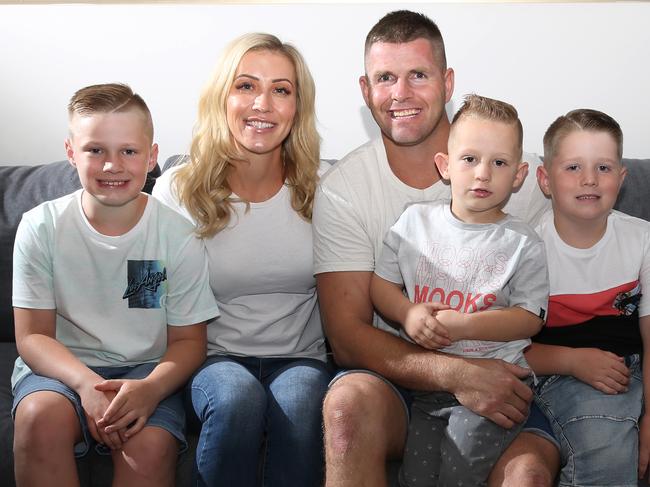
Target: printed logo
[[145, 286], [627, 303]]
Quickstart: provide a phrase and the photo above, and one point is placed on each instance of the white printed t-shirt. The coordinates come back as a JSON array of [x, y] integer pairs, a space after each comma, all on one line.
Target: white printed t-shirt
[[261, 273], [360, 197], [113, 296], [470, 267]]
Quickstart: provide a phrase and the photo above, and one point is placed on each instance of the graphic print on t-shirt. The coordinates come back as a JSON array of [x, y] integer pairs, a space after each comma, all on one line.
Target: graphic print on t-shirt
[[146, 283]]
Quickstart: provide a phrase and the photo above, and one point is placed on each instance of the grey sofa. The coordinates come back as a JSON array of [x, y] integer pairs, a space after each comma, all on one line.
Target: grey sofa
[[23, 187]]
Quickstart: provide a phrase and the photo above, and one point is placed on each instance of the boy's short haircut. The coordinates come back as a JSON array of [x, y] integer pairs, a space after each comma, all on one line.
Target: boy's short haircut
[[490, 109], [405, 26], [580, 119], [108, 98]]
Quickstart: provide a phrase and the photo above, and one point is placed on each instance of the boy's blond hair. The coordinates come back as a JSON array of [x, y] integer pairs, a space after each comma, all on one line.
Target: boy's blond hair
[[109, 98], [482, 107], [580, 119], [202, 184]]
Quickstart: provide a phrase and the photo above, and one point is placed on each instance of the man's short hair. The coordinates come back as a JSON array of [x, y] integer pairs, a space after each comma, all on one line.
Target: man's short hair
[[490, 109], [580, 119], [108, 98], [405, 26]]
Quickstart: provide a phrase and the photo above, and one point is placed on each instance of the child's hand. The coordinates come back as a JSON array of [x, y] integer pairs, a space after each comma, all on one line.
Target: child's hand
[[134, 402], [421, 325], [95, 403], [644, 445], [602, 370]]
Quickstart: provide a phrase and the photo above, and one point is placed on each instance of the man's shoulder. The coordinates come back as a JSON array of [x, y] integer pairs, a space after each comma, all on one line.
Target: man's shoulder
[[356, 165]]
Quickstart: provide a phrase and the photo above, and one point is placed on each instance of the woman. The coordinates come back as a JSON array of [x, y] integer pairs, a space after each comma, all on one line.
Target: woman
[[248, 185]]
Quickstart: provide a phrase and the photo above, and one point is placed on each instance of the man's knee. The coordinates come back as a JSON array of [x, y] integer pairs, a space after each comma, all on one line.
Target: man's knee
[[358, 412]]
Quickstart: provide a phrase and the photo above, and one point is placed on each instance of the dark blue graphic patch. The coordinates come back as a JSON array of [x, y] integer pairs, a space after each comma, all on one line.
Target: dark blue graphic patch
[[146, 283]]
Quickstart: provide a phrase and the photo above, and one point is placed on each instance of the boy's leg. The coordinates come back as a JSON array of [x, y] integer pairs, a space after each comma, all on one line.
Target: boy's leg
[[421, 463], [147, 460], [471, 446], [365, 420], [532, 459], [598, 432], [294, 444], [46, 430]]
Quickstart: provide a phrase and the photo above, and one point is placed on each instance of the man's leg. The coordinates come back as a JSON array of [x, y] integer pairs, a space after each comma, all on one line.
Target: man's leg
[[365, 424]]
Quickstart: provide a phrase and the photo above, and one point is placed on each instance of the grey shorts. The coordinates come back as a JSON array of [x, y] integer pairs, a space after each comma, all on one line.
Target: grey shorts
[[169, 415]]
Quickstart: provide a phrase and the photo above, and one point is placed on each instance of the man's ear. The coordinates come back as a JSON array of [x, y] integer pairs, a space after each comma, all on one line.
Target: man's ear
[[449, 84], [69, 151], [153, 157], [364, 84], [543, 180], [520, 175], [442, 163]]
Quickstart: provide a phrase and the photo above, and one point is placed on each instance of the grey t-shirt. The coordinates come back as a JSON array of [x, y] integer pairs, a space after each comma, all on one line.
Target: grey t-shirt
[[471, 267]]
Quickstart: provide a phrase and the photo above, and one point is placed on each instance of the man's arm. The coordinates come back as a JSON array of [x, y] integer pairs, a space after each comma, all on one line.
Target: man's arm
[[37, 345], [491, 388]]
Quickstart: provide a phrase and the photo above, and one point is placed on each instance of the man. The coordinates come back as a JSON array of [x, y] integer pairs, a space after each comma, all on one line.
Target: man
[[406, 86]]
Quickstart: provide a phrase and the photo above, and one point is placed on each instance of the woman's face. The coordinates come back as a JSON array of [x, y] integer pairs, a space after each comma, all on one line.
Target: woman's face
[[262, 102]]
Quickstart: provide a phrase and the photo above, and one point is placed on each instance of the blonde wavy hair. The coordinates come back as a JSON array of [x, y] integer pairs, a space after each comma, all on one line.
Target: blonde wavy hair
[[201, 183]]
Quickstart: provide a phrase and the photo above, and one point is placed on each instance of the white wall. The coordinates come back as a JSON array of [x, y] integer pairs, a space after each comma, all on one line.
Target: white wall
[[543, 58]]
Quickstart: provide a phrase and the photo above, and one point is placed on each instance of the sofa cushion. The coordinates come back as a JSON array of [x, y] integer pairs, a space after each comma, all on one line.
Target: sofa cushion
[[633, 198], [21, 189]]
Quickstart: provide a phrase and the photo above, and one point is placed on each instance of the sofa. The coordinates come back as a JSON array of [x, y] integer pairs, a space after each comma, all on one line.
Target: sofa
[[23, 187]]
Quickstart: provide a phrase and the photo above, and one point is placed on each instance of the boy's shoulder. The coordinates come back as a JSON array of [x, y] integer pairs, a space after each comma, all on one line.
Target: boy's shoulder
[[50, 211]]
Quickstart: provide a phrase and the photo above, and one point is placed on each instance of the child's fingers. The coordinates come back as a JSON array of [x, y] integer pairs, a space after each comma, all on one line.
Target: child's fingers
[[109, 385], [136, 427], [122, 422], [92, 428], [111, 440]]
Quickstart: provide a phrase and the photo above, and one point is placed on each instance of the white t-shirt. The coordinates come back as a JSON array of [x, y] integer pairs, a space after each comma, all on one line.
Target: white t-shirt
[[261, 272], [360, 198], [470, 267], [113, 296], [595, 292]]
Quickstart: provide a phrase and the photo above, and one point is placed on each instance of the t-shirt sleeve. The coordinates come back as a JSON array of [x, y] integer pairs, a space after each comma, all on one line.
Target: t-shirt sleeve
[[388, 264], [32, 264], [189, 297], [341, 241], [529, 286], [165, 192]]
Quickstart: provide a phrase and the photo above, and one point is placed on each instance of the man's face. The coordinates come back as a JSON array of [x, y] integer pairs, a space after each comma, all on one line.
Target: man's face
[[406, 89]]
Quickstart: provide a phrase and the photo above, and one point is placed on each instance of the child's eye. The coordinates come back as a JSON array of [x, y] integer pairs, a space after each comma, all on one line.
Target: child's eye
[[130, 152], [469, 159], [604, 168], [572, 167], [500, 162], [95, 151]]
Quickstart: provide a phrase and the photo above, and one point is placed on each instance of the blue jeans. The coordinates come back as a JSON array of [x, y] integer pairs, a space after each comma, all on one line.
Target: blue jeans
[[597, 432], [242, 400]]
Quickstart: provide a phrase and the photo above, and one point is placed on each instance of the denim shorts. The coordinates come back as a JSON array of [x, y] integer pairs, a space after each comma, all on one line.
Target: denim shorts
[[169, 415], [404, 395], [597, 432]]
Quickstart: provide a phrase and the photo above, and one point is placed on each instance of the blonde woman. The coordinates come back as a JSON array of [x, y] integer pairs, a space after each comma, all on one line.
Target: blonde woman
[[248, 185]]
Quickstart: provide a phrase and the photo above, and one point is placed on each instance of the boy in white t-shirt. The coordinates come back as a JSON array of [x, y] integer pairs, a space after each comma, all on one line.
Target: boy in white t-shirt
[[590, 353], [110, 295], [477, 286]]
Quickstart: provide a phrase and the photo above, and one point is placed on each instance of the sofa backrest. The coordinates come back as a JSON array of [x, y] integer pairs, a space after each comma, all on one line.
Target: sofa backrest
[[21, 189]]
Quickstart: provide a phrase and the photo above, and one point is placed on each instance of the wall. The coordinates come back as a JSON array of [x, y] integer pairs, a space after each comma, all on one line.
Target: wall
[[543, 58]]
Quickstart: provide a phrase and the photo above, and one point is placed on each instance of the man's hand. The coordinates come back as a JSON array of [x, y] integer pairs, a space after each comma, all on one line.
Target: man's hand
[[602, 370], [493, 388], [134, 401], [422, 326]]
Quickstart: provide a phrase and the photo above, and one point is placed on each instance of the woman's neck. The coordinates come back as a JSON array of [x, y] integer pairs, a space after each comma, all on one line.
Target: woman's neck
[[258, 178]]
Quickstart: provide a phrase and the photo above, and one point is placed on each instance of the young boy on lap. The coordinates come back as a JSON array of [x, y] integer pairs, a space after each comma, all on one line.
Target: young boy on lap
[[111, 295], [590, 350], [476, 283]]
